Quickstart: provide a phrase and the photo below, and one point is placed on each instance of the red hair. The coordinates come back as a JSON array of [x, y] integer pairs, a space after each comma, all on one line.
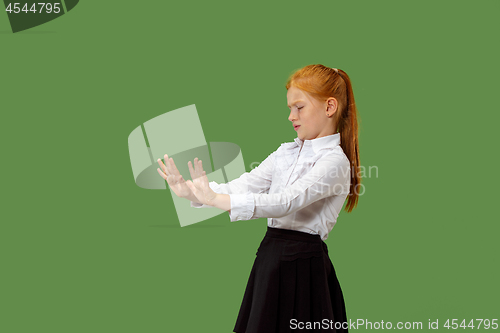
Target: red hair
[[322, 82]]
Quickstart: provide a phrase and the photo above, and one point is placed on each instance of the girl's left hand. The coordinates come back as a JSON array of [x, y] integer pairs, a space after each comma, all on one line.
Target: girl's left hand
[[199, 186]]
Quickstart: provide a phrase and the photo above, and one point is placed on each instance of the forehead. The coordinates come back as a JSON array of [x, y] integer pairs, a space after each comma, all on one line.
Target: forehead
[[294, 95]]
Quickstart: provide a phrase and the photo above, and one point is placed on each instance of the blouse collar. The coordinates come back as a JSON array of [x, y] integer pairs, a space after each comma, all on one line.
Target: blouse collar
[[329, 141]]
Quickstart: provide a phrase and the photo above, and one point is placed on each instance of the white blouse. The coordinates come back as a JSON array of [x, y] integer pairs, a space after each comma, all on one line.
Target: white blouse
[[301, 186]]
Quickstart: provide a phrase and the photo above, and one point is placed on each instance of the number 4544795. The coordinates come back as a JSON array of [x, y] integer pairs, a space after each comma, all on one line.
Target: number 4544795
[[486, 323], [49, 8]]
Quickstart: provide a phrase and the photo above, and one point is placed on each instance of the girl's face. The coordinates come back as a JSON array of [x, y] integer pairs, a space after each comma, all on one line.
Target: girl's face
[[314, 118]]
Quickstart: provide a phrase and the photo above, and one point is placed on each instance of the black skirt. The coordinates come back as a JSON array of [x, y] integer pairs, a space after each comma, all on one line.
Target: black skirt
[[292, 287]]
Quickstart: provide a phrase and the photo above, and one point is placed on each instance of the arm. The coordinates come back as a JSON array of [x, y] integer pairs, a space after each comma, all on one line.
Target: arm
[[329, 176], [256, 181]]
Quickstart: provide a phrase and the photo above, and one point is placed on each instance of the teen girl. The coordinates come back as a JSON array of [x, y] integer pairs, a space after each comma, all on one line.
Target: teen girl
[[300, 188]]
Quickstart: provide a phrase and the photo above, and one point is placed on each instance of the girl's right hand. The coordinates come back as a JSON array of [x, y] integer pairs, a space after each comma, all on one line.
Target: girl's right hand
[[175, 180]]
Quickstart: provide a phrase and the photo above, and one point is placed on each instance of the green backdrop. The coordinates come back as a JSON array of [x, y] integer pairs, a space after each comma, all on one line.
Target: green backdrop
[[84, 249]]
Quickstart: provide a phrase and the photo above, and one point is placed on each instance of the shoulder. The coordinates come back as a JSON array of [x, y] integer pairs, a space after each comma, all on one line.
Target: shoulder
[[338, 154], [334, 158]]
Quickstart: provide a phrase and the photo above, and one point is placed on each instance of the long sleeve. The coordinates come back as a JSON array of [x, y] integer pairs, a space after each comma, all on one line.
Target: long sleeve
[[256, 181], [329, 176]]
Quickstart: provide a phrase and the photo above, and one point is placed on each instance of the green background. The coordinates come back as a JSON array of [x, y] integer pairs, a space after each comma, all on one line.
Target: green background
[[84, 249]]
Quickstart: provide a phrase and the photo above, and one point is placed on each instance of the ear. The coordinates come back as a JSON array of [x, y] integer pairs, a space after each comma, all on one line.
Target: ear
[[332, 105]]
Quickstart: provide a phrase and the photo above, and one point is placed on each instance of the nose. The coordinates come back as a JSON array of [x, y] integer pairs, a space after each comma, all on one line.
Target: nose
[[292, 116]]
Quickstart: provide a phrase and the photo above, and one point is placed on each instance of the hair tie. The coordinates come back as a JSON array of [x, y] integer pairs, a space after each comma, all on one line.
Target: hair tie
[[336, 70]]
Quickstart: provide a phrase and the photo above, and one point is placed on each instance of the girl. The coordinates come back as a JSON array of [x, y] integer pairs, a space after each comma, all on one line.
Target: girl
[[300, 188]]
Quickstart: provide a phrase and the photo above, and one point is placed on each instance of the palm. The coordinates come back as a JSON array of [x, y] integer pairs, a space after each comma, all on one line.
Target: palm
[[199, 187], [175, 181], [180, 188]]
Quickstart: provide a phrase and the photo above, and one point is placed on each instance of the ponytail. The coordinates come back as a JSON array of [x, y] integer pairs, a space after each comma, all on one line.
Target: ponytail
[[348, 128]]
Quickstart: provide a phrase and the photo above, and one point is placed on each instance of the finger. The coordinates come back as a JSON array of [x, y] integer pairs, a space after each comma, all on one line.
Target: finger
[[175, 171], [159, 161], [168, 164], [162, 174], [199, 169], [199, 165], [196, 169], [162, 166], [191, 170], [172, 169]]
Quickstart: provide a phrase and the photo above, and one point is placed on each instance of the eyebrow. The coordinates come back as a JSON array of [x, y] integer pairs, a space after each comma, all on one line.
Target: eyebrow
[[295, 102]]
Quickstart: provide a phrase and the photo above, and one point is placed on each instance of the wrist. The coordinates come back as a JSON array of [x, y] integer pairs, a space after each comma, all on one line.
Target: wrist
[[222, 201]]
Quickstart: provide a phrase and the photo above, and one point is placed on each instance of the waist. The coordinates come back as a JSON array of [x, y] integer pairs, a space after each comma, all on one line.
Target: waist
[[293, 234]]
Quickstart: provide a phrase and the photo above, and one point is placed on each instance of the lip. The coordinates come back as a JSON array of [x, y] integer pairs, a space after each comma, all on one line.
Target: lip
[[296, 127]]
